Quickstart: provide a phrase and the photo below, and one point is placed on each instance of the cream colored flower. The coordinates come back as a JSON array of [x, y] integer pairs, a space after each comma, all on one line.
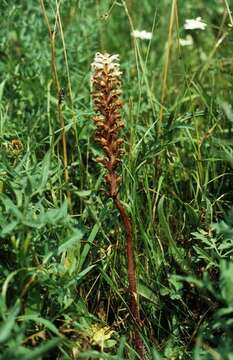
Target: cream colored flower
[[143, 35], [103, 60], [187, 41], [195, 24]]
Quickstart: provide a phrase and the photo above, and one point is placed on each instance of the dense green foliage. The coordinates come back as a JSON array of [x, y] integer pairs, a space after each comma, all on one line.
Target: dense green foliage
[[63, 271]]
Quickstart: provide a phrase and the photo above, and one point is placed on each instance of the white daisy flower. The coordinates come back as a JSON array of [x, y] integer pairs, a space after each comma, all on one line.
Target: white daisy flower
[[143, 35], [195, 24], [188, 41]]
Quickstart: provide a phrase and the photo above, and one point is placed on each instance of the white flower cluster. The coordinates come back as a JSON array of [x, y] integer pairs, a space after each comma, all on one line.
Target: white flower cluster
[[143, 35], [106, 62], [195, 24], [187, 41]]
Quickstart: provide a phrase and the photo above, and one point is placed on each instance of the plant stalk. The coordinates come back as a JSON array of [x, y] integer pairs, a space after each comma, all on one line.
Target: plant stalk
[[132, 278]]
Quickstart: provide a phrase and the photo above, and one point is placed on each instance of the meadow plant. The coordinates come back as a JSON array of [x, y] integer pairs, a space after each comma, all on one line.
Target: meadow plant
[[106, 80], [61, 291]]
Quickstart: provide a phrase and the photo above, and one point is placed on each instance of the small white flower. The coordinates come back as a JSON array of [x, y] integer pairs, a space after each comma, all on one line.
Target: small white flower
[[195, 24], [188, 41], [105, 59], [143, 35], [106, 62]]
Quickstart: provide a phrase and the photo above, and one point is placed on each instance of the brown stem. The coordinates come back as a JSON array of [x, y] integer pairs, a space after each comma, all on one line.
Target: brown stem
[[131, 274]]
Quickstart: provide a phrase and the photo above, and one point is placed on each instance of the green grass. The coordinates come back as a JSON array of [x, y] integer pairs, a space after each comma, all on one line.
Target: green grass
[[63, 269]]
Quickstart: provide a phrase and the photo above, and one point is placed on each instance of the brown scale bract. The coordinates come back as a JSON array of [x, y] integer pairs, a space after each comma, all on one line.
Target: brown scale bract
[[106, 83]]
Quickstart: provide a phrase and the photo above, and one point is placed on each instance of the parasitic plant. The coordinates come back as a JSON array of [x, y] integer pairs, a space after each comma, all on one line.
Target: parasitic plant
[[106, 82]]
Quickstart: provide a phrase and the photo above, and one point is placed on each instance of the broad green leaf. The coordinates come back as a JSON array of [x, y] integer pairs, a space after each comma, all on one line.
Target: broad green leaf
[[48, 324], [87, 247], [8, 324], [81, 275], [177, 252], [72, 241], [42, 349], [147, 293]]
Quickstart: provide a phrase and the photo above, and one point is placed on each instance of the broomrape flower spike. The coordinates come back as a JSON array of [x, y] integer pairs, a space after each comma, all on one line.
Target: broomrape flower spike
[[106, 84], [195, 24]]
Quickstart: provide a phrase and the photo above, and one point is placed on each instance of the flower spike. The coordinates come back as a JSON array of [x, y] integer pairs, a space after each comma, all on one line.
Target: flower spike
[[106, 82]]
